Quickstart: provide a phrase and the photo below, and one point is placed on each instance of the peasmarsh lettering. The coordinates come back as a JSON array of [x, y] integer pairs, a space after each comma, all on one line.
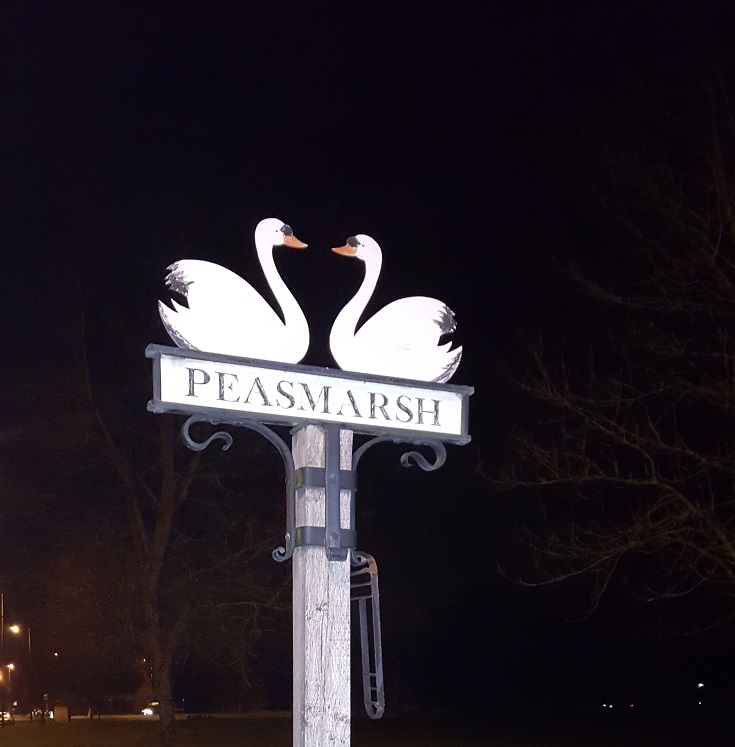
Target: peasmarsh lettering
[[225, 389], [326, 399], [306, 392]]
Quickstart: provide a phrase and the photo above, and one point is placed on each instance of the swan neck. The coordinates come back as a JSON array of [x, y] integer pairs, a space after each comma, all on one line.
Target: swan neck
[[292, 313], [348, 318]]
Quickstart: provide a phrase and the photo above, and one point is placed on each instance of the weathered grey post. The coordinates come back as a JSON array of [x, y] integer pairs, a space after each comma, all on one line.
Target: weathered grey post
[[321, 608]]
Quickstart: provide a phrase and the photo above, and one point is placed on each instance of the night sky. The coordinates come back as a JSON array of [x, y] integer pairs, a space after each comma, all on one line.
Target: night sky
[[460, 136]]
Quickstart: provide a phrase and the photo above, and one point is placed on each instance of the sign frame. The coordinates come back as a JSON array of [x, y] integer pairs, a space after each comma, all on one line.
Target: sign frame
[[287, 417]]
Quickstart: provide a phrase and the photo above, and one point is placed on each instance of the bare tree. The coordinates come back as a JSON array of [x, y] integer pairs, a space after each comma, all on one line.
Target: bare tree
[[179, 541], [202, 585], [633, 444]]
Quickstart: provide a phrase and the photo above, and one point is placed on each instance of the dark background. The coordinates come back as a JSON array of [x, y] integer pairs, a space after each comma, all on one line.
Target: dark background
[[459, 135]]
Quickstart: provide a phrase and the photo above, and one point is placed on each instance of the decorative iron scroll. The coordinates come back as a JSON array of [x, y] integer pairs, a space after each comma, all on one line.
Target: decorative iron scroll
[[284, 552], [281, 552], [410, 457]]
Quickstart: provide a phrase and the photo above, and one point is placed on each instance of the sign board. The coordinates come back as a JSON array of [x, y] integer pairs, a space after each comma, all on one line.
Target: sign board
[[227, 388]]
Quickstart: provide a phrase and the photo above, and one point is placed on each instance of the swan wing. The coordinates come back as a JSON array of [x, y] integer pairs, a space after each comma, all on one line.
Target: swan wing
[[210, 288], [413, 323], [437, 365], [224, 313], [403, 340]]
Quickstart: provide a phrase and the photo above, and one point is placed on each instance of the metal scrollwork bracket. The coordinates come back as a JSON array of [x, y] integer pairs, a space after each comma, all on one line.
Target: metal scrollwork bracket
[[336, 540], [281, 553], [409, 458]]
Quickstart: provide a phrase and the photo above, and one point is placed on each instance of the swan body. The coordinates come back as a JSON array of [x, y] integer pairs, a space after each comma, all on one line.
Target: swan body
[[402, 339], [227, 315]]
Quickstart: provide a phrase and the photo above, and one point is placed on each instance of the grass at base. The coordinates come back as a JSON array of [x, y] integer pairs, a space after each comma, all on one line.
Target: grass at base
[[276, 732]]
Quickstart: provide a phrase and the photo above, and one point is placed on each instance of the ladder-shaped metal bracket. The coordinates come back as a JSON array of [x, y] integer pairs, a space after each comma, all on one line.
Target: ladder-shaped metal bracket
[[364, 591]]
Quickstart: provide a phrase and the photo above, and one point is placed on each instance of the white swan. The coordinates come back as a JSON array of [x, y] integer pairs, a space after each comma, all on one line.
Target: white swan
[[227, 315], [402, 339]]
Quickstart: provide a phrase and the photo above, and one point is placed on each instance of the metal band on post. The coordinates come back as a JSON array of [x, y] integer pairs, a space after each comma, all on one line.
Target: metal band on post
[[316, 477], [308, 535]]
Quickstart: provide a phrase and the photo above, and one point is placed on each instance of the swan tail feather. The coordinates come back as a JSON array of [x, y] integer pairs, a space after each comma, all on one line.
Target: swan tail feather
[[446, 321], [178, 279], [450, 367], [172, 327]]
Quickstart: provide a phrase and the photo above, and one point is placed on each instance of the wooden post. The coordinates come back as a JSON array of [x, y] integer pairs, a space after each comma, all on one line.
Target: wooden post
[[321, 610]]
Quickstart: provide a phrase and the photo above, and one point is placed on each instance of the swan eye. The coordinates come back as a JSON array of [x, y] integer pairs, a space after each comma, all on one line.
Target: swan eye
[[353, 242], [287, 230]]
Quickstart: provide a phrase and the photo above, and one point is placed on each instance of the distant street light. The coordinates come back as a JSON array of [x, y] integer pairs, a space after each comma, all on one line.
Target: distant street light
[[17, 630], [3, 665], [10, 668], [2, 658]]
